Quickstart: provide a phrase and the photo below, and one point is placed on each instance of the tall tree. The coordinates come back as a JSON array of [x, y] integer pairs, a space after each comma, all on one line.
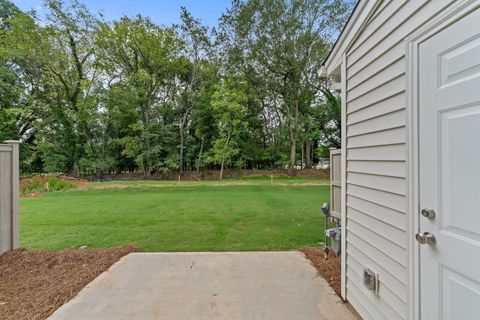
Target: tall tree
[[92, 96], [286, 42], [16, 98], [230, 104], [57, 62], [197, 52], [141, 61], [9, 86], [203, 116]]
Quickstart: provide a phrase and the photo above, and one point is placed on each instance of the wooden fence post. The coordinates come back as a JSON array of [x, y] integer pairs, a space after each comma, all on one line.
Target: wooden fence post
[[9, 185], [15, 192], [335, 182]]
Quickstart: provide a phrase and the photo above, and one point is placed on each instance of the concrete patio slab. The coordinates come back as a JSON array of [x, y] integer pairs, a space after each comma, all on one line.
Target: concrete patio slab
[[201, 286]]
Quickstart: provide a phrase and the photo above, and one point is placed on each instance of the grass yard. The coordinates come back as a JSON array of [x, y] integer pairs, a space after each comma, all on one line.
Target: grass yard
[[161, 216]]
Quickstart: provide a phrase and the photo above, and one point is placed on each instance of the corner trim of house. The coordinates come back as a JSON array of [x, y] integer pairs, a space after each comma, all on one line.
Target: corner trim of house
[[453, 12], [412, 175], [344, 177]]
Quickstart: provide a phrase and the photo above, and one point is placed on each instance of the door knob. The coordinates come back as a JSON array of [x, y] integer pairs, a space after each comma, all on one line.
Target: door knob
[[428, 213], [425, 238]]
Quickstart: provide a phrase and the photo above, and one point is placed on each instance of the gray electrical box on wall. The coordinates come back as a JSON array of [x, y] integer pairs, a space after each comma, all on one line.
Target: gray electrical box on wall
[[370, 280]]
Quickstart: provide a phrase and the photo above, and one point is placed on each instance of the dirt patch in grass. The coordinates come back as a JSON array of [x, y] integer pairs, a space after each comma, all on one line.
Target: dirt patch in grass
[[226, 183], [212, 175], [34, 283], [32, 195]]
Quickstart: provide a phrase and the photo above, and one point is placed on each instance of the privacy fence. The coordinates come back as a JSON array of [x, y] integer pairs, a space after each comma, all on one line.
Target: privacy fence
[[335, 182], [9, 190]]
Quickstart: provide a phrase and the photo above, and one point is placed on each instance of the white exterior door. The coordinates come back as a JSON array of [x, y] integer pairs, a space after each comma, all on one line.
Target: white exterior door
[[449, 157]]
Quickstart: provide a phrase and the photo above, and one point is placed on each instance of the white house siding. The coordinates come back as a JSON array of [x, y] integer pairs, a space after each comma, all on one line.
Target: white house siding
[[376, 154]]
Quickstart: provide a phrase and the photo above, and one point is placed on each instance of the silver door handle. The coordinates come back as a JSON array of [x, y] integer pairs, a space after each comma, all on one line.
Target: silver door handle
[[425, 238]]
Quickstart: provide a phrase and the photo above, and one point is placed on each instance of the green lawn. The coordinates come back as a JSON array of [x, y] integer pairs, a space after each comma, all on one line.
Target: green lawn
[[199, 217]]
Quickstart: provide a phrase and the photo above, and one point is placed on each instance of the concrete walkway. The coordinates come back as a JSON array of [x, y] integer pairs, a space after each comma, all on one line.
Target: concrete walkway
[[201, 286]]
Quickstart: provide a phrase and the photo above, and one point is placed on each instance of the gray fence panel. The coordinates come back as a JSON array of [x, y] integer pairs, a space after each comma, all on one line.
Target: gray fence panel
[[9, 193], [335, 183]]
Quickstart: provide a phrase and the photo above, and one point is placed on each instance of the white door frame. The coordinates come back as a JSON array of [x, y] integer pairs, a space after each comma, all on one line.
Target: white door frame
[[447, 17]]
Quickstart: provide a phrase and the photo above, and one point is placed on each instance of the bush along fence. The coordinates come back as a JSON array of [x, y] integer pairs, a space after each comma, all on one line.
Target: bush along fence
[[9, 189]]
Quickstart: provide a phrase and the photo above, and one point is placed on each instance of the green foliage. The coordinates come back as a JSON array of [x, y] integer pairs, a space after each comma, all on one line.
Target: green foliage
[[229, 102], [7, 10], [10, 88], [330, 119], [47, 183], [8, 128], [89, 96], [279, 46], [142, 59]]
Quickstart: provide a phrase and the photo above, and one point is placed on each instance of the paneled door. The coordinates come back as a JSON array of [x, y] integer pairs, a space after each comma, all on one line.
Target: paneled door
[[449, 172]]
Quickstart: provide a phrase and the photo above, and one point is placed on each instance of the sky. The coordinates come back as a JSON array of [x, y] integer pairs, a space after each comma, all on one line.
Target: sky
[[163, 12]]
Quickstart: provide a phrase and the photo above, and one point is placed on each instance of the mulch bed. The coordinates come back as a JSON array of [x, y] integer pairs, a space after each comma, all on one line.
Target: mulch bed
[[34, 283], [327, 265]]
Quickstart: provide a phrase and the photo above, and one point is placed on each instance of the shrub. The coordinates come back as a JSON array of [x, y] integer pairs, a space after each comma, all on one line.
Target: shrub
[[45, 184]]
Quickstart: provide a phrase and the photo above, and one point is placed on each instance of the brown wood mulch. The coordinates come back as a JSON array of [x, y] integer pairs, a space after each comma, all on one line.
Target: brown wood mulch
[[328, 267], [34, 283]]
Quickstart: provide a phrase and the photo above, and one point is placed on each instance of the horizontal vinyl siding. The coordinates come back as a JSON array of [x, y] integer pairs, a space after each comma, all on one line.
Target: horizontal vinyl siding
[[391, 169], [388, 280], [378, 65], [389, 184], [390, 104], [394, 70], [378, 94], [384, 122], [406, 20], [394, 152], [384, 243], [379, 138], [384, 308], [393, 267], [376, 219], [380, 197], [394, 218], [393, 302], [386, 10], [388, 232]]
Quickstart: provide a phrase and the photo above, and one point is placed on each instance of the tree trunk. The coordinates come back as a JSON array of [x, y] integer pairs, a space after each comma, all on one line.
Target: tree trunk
[[303, 156], [182, 125], [223, 156], [199, 164], [182, 142], [146, 140], [308, 155], [221, 168], [293, 143], [74, 172], [312, 157], [293, 154]]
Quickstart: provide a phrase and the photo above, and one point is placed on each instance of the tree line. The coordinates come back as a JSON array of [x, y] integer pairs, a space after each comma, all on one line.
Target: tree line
[[90, 96]]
